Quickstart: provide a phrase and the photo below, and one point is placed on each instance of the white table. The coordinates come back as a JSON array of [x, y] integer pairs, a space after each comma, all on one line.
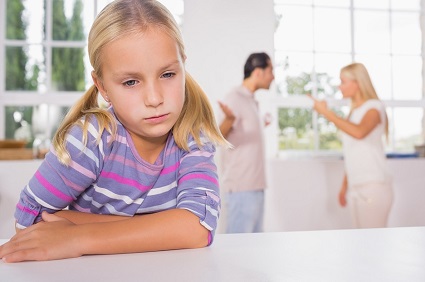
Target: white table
[[392, 254]]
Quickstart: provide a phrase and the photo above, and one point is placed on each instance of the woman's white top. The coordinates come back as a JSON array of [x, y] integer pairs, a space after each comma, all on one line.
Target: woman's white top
[[365, 159]]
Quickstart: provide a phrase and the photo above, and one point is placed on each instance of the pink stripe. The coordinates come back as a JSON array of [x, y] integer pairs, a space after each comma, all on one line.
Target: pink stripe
[[199, 176], [27, 210], [170, 168], [51, 188], [128, 163], [118, 138], [79, 208], [125, 181], [73, 185], [84, 171]]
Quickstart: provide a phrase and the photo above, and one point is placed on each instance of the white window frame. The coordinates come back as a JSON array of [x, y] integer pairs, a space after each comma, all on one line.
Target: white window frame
[[34, 98], [298, 101]]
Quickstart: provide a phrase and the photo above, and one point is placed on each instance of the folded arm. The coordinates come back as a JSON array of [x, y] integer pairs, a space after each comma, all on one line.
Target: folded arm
[[58, 238]]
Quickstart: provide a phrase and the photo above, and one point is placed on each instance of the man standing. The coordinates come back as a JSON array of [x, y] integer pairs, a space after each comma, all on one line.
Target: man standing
[[244, 178]]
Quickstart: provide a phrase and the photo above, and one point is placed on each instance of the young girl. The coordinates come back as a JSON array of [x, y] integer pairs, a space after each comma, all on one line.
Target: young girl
[[139, 176], [366, 170]]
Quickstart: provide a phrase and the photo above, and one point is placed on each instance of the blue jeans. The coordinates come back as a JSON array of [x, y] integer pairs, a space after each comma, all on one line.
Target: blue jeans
[[245, 211]]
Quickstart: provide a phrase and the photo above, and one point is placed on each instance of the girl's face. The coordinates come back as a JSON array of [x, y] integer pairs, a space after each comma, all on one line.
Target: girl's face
[[144, 80], [348, 87]]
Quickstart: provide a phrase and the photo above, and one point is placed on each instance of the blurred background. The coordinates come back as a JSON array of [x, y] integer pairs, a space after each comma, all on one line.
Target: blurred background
[[44, 69]]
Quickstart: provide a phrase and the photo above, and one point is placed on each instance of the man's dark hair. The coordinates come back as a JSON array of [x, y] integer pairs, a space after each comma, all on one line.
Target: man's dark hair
[[255, 60]]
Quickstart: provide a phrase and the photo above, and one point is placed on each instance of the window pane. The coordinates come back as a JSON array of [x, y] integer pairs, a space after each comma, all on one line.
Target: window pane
[[379, 68], [383, 4], [328, 67], [406, 33], [293, 72], [15, 20], [72, 19], [406, 4], [407, 128], [295, 129], [407, 75], [329, 137], [371, 32], [23, 67], [295, 30], [68, 70], [47, 118], [35, 15], [332, 30], [27, 123], [18, 123]]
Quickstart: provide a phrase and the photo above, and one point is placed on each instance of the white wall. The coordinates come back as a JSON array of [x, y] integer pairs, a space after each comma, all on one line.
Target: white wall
[[219, 36], [14, 175], [303, 194]]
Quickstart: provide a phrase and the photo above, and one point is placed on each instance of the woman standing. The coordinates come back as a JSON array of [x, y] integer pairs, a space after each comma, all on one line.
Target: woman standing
[[366, 173]]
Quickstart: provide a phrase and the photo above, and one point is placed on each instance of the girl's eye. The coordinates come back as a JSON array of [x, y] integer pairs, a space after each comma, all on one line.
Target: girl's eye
[[168, 75], [130, 83]]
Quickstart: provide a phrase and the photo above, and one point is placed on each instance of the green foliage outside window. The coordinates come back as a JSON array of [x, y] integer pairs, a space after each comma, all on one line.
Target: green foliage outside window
[[295, 124], [68, 71]]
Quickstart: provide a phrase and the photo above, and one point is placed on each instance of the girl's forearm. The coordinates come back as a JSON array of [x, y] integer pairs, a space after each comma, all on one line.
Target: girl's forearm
[[167, 230], [83, 218]]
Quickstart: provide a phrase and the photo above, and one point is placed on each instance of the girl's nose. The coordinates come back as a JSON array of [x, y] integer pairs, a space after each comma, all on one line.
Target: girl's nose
[[153, 97]]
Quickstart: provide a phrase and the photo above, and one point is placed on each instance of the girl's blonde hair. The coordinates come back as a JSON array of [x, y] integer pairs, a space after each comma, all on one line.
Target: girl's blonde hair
[[122, 18], [359, 73]]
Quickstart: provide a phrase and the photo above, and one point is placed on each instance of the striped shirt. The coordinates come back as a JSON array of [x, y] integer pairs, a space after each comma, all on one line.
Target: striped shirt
[[111, 178]]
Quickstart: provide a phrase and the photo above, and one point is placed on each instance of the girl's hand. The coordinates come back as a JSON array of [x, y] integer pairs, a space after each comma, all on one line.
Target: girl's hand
[[50, 239]]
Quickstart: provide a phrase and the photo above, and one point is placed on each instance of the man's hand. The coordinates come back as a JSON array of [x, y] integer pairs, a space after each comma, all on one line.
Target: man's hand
[[227, 111]]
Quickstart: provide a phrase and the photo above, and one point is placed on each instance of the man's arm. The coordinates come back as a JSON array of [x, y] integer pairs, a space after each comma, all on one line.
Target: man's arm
[[229, 118]]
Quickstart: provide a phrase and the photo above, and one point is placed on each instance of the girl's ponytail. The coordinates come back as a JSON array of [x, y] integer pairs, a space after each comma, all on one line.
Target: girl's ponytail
[[85, 105]]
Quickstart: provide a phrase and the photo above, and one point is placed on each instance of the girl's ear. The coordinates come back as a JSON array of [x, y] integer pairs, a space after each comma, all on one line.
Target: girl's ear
[[99, 86]]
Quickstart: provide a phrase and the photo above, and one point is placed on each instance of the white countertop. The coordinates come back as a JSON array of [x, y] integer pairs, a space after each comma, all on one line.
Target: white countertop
[[392, 254]]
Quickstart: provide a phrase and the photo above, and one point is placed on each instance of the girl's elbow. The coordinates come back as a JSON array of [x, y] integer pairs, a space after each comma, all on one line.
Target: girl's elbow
[[199, 238]]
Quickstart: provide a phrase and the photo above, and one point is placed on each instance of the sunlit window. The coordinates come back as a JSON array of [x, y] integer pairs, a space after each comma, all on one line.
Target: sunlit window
[[45, 67], [314, 39]]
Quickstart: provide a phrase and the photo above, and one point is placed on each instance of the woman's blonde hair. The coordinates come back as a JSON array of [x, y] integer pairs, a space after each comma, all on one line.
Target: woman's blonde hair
[[122, 18], [359, 73]]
